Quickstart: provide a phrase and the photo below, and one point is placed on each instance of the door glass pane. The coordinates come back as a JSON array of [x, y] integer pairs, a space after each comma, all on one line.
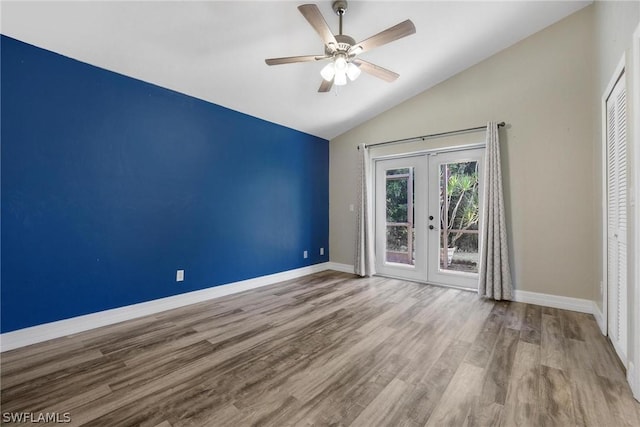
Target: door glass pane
[[459, 217], [400, 233]]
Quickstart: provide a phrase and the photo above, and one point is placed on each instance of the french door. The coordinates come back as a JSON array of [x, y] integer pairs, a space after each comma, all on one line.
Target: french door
[[427, 216]]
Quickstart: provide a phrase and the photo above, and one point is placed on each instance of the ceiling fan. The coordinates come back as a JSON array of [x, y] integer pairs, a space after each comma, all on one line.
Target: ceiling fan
[[342, 50]]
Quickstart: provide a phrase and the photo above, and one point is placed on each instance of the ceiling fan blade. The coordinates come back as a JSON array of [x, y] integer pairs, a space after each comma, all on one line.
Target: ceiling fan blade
[[315, 18], [325, 86], [403, 29], [376, 70], [292, 59]]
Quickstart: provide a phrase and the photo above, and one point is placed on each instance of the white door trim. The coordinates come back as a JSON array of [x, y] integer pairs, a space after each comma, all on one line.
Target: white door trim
[[633, 373]]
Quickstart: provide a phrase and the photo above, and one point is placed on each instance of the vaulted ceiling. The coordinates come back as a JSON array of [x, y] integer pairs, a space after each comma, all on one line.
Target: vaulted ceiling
[[215, 50]]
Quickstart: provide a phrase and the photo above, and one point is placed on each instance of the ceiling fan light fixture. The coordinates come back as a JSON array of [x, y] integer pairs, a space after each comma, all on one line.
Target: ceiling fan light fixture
[[340, 79], [328, 71], [340, 63], [353, 71]]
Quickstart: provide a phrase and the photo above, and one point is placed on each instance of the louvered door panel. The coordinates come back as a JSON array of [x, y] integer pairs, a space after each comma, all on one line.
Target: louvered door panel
[[617, 217]]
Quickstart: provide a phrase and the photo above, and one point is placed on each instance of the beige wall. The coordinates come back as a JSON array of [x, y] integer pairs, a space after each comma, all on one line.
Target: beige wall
[[543, 88]]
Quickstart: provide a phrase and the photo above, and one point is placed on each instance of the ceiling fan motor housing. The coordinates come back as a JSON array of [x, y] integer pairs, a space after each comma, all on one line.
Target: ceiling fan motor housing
[[344, 43]]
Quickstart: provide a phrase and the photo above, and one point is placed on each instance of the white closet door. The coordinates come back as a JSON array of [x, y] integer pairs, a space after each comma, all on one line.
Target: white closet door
[[617, 217]]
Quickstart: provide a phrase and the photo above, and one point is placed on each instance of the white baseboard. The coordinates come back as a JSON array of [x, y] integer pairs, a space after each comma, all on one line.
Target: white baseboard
[[597, 313], [344, 268], [61, 328], [554, 301]]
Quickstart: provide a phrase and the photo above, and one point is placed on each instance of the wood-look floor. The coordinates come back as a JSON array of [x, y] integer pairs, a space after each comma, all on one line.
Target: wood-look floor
[[331, 349]]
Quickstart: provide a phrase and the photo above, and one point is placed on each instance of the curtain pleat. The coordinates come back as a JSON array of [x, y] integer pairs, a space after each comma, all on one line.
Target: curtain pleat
[[495, 273]]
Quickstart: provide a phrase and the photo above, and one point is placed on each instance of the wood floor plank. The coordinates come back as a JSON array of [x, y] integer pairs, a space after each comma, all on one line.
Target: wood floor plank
[[621, 405], [483, 415], [423, 354], [605, 361], [458, 397], [274, 410], [330, 349], [225, 415], [34, 395], [359, 382], [514, 317], [571, 326], [428, 390], [313, 381], [154, 367], [556, 402], [480, 352], [499, 370], [522, 403], [531, 330], [552, 342], [475, 321], [37, 354], [589, 403], [78, 400], [382, 409], [30, 373], [394, 311]]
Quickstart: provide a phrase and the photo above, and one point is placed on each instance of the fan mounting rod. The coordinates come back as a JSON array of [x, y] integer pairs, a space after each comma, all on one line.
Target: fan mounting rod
[[344, 41], [339, 7]]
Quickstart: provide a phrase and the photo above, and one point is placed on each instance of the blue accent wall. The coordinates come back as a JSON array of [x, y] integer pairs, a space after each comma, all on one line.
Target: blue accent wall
[[111, 184]]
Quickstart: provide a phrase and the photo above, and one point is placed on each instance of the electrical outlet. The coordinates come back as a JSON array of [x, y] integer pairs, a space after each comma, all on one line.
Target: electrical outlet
[[321, 251], [180, 276], [305, 254]]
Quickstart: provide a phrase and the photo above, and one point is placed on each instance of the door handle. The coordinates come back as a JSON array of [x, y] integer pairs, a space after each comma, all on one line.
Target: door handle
[[431, 217], [431, 227]]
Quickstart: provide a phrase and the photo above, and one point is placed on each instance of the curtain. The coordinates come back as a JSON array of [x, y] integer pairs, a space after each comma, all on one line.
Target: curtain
[[495, 274], [365, 261]]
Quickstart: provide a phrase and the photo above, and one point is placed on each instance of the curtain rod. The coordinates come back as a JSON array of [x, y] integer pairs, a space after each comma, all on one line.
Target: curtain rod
[[433, 135]]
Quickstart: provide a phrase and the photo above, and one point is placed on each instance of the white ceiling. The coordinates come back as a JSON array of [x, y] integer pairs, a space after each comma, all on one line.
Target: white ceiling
[[216, 50]]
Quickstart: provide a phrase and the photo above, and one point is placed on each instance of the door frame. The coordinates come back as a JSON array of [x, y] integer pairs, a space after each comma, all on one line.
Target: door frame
[[426, 153], [633, 373]]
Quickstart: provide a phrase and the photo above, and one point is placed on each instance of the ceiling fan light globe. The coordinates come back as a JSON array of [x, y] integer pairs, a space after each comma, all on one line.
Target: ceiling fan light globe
[[340, 79], [340, 63], [328, 71], [353, 71]]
